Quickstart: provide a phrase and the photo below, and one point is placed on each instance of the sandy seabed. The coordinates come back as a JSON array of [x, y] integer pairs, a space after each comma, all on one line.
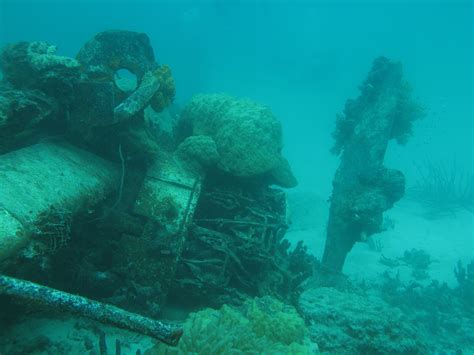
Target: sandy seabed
[[447, 238]]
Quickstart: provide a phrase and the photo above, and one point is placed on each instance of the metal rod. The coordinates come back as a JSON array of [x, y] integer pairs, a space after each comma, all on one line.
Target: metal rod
[[104, 313]]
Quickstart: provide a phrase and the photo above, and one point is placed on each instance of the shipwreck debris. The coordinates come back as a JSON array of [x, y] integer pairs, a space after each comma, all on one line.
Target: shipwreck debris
[[43, 186], [363, 188], [45, 296]]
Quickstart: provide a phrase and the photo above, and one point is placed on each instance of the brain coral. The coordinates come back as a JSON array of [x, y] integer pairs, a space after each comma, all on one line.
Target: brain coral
[[248, 136]]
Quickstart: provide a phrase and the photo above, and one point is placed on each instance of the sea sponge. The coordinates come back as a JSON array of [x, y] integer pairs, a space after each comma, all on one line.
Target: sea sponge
[[263, 326], [165, 94]]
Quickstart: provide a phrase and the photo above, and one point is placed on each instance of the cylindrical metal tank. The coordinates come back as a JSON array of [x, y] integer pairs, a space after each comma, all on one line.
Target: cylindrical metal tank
[[42, 187]]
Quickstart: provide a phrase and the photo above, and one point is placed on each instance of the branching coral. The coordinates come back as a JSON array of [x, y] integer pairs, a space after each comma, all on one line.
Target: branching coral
[[419, 260], [237, 248], [443, 314], [465, 278], [444, 188]]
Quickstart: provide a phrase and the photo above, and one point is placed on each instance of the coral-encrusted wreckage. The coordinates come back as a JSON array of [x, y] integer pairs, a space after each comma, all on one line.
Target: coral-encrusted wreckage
[[121, 209], [106, 194], [363, 188]]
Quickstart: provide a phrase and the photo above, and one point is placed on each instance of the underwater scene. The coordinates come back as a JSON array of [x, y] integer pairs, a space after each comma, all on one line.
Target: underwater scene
[[236, 177]]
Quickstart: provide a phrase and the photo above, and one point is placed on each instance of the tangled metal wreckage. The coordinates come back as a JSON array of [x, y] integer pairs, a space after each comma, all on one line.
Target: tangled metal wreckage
[[106, 194]]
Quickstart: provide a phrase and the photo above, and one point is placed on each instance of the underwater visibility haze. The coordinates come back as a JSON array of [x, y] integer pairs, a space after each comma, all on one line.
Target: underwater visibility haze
[[236, 177]]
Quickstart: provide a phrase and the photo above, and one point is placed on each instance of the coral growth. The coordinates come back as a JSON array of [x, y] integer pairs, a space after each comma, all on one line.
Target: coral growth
[[21, 112], [36, 65], [111, 50], [385, 83], [443, 188], [465, 278], [419, 261], [348, 323], [198, 150], [443, 314], [236, 249], [248, 136], [261, 326], [363, 188], [165, 94]]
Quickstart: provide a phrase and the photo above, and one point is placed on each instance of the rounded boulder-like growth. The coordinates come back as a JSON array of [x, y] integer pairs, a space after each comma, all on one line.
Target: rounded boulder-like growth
[[248, 136]]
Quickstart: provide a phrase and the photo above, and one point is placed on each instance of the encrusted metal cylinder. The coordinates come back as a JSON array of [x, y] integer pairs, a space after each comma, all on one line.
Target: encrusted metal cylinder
[[42, 187]]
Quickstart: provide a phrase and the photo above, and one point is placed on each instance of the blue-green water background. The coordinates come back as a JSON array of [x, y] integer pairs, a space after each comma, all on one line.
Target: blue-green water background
[[302, 58]]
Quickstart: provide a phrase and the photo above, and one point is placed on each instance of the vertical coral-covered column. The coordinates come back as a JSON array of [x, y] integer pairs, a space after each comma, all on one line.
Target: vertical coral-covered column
[[362, 187]]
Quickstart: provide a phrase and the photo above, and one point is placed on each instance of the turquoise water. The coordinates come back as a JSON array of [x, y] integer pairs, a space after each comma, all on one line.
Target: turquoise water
[[302, 60]]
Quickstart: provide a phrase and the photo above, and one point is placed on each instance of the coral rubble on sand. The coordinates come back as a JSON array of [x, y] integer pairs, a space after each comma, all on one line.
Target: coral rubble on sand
[[344, 322]]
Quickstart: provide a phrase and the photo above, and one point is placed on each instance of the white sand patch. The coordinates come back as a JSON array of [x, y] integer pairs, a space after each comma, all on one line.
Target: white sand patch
[[447, 239]]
